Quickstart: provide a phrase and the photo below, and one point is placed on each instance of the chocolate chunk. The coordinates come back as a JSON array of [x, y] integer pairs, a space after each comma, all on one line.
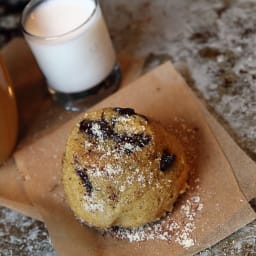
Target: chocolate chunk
[[115, 228], [128, 112], [105, 129], [144, 117], [125, 111], [167, 160], [86, 126], [140, 139], [86, 182]]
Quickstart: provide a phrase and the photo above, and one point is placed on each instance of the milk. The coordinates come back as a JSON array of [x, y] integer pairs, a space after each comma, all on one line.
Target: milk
[[71, 43]]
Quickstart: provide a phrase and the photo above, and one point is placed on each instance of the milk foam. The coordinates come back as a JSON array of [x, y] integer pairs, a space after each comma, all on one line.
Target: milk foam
[[72, 56]]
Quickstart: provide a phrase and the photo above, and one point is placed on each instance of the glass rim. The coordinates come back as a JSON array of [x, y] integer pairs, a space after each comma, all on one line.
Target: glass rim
[[33, 4]]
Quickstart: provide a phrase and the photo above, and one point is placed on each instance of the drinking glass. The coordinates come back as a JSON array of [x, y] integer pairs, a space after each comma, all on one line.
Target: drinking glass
[[73, 48]]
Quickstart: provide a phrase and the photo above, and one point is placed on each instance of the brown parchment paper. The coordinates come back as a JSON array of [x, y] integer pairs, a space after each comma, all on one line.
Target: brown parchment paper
[[161, 94], [12, 192]]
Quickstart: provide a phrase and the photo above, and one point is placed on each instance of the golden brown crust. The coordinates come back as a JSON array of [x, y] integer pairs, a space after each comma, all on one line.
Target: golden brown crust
[[122, 169]]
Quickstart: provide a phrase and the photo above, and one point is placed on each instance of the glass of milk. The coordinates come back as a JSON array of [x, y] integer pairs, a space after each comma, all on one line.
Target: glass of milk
[[72, 46]]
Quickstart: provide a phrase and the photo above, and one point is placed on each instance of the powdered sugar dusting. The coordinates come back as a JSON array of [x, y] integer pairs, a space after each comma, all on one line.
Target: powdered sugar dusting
[[91, 205], [96, 130], [113, 170], [170, 228], [130, 147]]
